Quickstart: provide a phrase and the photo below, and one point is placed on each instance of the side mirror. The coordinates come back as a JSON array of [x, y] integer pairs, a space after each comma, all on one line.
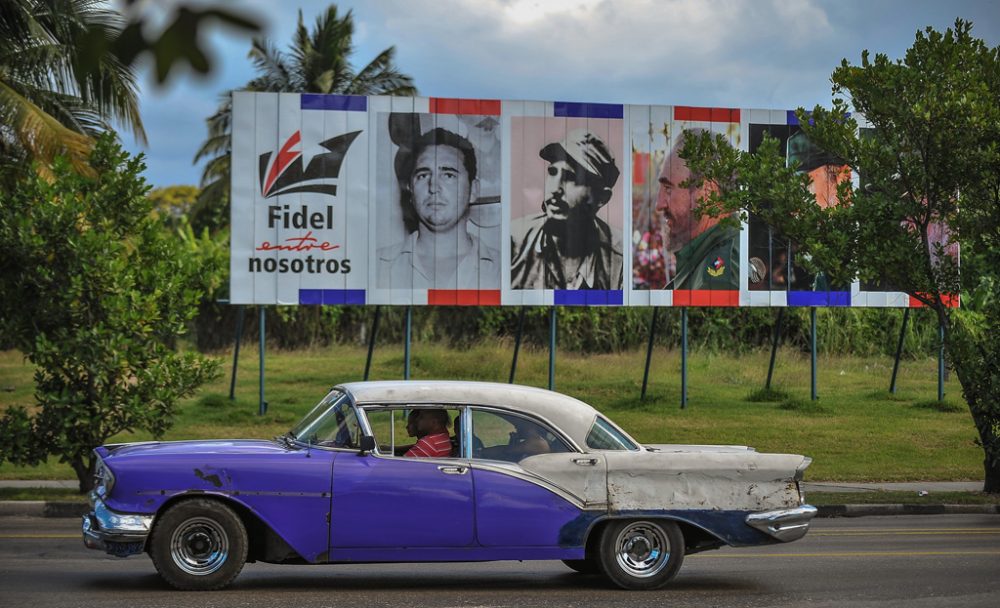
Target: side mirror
[[367, 444]]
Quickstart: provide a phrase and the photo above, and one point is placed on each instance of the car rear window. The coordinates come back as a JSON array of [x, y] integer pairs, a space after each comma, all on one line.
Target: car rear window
[[604, 436]]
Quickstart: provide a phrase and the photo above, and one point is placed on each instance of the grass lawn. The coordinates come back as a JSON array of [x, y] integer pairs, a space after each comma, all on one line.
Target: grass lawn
[[856, 431]]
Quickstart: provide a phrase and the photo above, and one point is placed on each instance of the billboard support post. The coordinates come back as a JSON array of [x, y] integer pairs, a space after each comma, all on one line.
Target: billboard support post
[[371, 340], [552, 349], [262, 406], [812, 351], [240, 310], [517, 345], [406, 343], [774, 347], [899, 351], [940, 394], [649, 352], [684, 357]]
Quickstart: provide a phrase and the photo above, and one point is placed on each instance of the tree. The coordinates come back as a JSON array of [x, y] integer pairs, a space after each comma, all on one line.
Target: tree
[[172, 203], [930, 160], [66, 73], [51, 101], [318, 61], [96, 291]]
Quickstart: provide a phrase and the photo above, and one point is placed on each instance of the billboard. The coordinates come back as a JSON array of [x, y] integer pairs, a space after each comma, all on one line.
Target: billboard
[[431, 201]]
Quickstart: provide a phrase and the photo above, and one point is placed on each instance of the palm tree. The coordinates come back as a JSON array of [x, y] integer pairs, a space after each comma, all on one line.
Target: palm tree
[[318, 61], [57, 86]]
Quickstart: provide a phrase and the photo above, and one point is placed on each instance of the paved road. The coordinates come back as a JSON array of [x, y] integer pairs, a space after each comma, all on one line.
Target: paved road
[[911, 561]]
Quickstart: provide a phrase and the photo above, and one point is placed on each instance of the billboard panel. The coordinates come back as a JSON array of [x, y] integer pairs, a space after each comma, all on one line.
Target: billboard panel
[[433, 201]]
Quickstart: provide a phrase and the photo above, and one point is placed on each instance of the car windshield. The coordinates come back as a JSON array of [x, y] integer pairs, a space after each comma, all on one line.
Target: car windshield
[[331, 423]]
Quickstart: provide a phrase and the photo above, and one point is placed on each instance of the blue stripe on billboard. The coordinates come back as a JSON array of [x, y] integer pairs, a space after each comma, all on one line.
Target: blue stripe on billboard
[[819, 298], [347, 103], [569, 109], [331, 296], [588, 297]]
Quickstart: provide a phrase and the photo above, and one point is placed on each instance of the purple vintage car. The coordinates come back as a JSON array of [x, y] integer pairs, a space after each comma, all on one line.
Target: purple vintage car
[[514, 473]]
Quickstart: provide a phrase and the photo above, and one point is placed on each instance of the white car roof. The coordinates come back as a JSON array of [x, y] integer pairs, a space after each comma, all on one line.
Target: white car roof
[[571, 416]]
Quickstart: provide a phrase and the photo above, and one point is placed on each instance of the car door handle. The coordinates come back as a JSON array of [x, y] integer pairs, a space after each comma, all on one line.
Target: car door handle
[[449, 470], [585, 462]]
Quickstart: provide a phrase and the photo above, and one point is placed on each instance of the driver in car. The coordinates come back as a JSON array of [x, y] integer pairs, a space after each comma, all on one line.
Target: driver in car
[[436, 440]]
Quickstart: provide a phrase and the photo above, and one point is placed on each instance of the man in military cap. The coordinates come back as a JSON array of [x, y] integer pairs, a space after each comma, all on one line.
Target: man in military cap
[[706, 252], [567, 246]]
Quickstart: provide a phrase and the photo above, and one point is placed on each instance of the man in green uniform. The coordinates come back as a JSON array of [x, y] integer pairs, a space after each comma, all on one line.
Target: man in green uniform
[[707, 253]]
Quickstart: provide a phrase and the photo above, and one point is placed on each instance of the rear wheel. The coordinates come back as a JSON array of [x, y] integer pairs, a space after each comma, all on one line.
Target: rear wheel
[[199, 544], [641, 554]]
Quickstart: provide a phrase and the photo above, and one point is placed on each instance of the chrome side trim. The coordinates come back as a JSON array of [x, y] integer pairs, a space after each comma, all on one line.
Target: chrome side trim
[[784, 525], [513, 470]]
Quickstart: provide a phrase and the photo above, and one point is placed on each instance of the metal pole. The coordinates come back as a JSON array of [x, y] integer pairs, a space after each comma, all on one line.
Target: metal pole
[[774, 347], [552, 349], [517, 344], [406, 345], [899, 351], [649, 353], [262, 408], [684, 357], [371, 340], [941, 362], [240, 310], [812, 348]]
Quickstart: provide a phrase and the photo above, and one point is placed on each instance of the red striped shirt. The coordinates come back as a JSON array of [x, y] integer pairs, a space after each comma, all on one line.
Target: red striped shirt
[[431, 446]]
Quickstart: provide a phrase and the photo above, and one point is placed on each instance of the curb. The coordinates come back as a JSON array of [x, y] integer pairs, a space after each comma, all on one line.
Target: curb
[[871, 510], [43, 508], [67, 509]]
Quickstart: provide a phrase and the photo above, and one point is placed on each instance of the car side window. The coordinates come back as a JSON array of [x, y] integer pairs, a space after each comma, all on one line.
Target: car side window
[[604, 436], [503, 436], [417, 431]]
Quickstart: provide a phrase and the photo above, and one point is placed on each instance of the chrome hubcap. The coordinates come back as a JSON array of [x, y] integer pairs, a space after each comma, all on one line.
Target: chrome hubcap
[[642, 549], [199, 546]]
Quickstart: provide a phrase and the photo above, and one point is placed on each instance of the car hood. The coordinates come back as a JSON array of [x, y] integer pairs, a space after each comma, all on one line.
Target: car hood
[[189, 448]]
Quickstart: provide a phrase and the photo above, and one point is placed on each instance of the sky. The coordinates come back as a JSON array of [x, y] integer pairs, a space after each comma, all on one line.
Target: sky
[[719, 53]]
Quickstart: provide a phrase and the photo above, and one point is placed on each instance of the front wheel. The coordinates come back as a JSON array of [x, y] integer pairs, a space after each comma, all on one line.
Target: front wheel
[[641, 554], [199, 544]]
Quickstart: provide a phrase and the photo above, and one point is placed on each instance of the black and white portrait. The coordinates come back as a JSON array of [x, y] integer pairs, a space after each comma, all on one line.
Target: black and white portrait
[[563, 229], [438, 218]]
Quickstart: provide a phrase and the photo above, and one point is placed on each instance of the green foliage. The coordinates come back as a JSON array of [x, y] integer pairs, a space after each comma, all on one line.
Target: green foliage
[[52, 100], [930, 165], [172, 203], [102, 292]]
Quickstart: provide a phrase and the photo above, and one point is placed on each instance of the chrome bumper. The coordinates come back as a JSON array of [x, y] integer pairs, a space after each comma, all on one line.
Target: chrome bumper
[[120, 534], [784, 525]]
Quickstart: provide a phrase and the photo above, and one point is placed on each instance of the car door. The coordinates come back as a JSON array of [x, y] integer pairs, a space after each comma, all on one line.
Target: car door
[[383, 501], [531, 500]]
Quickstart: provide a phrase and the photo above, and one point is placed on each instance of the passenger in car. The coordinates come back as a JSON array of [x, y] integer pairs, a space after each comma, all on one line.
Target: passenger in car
[[435, 441], [527, 439]]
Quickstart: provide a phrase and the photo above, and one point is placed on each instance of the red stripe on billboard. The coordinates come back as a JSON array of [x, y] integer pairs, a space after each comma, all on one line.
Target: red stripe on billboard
[[706, 297], [480, 107], [706, 114], [950, 300], [463, 297]]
